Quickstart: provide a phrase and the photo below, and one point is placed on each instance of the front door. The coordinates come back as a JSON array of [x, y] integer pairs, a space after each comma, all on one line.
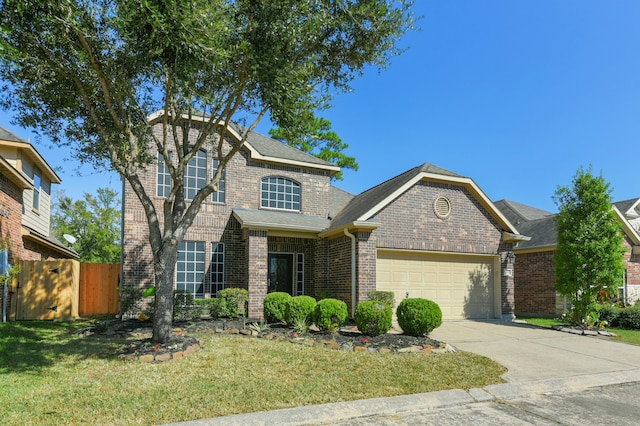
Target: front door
[[281, 272]]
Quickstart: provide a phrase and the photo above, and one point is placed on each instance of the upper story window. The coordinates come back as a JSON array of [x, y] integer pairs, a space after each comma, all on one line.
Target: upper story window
[[195, 176], [219, 196], [163, 186], [37, 183], [280, 193]]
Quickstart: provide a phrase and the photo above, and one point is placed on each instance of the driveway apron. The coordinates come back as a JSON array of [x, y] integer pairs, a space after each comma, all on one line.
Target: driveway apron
[[533, 353]]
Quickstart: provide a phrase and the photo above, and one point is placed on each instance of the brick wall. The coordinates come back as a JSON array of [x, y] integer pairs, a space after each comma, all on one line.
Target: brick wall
[[534, 281], [410, 222]]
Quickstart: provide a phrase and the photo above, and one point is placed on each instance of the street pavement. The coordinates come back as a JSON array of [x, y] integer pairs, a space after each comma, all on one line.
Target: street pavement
[[552, 378]]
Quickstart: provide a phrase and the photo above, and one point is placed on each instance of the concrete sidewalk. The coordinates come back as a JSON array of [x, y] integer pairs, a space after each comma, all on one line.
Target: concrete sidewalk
[[538, 361]]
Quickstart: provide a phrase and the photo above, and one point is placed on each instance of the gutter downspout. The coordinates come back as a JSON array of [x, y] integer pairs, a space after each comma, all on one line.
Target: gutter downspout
[[353, 270]]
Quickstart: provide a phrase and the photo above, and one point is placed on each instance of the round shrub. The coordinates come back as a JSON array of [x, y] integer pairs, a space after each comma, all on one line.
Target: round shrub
[[610, 314], [329, 314], [275, 305], [418, 317], [299, 308], [373, 318]]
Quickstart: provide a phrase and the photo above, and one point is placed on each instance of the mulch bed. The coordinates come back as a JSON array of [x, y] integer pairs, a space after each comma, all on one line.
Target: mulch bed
[[140, 346]]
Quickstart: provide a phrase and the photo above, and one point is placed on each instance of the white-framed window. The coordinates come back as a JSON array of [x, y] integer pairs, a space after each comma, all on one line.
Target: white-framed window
[[190, 268], [195, 176], [37, 183], [219, 196], [216, 269], [163, 184], [281, 193], [299, 274]]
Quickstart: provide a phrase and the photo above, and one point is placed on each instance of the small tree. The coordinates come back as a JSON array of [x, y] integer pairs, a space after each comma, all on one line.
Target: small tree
[[94, 221], [589, 256]]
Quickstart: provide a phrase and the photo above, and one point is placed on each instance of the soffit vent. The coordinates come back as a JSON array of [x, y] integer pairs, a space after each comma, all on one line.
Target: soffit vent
[[442, 207]]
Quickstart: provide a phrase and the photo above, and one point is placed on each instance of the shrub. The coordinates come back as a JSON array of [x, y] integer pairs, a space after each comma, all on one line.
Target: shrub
[[275, 305], [373, 318], [217, 307], [236, 301], [130, 299], [184, 306], [418, 317], [299, 308], [329, 314], [382, 296], [629, 318], [610, 314]]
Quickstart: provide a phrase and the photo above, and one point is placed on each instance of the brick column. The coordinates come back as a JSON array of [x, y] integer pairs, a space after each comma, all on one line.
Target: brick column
[[257, 255], [366, 264], [507, 273]]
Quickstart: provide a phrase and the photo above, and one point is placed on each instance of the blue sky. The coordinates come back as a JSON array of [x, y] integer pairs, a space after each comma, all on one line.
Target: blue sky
[[516, 95]]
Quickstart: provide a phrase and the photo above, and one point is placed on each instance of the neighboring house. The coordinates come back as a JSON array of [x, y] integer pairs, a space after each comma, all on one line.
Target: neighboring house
[[25, 201], [277, 224], [535, 268]]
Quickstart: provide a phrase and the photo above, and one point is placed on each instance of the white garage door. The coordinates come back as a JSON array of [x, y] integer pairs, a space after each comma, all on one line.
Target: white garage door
[[463, 286]]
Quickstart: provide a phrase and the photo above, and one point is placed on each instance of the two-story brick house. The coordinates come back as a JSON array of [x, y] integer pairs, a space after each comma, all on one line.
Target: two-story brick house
[[25, 201], [277, 224]]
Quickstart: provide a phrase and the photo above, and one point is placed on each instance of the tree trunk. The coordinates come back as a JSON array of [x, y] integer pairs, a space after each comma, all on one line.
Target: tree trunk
[[163, 316]]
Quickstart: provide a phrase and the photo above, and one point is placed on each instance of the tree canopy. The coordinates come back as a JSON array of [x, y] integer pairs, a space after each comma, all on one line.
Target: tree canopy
[[589, 257], [94, 222], [315, 137], [88, 73]]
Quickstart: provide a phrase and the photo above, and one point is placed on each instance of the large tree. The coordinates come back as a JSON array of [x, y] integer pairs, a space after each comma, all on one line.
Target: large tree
[[589, 257], [88, 73], [314, 136], [94, 222]]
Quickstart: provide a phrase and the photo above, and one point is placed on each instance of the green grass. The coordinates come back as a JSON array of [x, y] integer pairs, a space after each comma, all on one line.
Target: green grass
[[51, 375], [631, 337]]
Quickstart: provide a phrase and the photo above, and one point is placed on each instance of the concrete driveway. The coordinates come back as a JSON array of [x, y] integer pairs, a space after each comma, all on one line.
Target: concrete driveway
[[532, 353]]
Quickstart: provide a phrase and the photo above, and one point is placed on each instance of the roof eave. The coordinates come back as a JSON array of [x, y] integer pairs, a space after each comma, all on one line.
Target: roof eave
[[356, 225], [254, 154], [28, 234], [467, 182], [14, 175], [270, 226]]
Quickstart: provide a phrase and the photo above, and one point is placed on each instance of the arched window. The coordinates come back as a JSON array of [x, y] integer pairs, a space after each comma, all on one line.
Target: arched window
[[280, 193]]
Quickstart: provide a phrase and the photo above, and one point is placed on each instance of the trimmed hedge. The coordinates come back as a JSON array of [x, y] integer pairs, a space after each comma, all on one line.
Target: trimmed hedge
[[373, 318], [629, 318], [418, 317], [329, 314], [236, 300], [382, 296], [300, 308], [275, 305]]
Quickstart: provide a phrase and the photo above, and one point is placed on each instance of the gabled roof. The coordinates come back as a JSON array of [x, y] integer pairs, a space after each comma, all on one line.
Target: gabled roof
[[8, 138], [264, 148], [542, 225], [365, 206], [338, 199], [517, 213], [629, 208]]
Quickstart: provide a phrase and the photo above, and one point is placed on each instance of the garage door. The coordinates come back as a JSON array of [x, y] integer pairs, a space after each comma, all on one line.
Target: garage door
[[463, 286]]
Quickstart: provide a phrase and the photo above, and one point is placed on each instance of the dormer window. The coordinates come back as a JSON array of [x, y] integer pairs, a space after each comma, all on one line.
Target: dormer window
[[280, 193]]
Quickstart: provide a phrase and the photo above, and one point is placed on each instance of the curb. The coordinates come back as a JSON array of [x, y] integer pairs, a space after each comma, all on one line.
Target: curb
[[342, 411]]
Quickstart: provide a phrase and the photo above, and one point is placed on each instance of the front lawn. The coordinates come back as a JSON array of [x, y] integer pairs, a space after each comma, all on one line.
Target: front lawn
[[49, 374], [622, 335]]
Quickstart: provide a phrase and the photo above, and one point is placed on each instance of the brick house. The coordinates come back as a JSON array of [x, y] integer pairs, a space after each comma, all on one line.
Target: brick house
[[25, 202], [277, 224], [535, 268]]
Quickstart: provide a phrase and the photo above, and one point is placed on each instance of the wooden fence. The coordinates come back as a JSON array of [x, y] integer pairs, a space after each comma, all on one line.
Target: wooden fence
[[64, 289]]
